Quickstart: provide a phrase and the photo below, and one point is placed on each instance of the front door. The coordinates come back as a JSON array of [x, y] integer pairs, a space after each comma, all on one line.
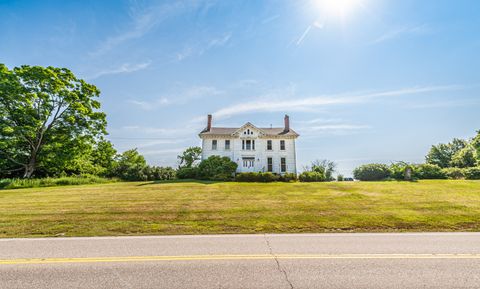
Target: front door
[[248, 164]]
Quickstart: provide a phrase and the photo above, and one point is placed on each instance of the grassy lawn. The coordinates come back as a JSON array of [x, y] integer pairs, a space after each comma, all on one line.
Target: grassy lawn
[[148, 208]]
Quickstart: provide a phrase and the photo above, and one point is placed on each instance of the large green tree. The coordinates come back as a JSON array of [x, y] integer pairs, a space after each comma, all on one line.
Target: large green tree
[[46, 113], [442, 154]]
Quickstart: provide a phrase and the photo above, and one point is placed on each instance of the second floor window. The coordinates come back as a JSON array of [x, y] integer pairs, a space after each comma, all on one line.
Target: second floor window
[[214, 144], [248, 144], [282, 145], [227, 144], [269, 145]]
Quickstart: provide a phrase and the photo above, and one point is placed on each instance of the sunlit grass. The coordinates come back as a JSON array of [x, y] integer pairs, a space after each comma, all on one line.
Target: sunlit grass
[[142, 208]]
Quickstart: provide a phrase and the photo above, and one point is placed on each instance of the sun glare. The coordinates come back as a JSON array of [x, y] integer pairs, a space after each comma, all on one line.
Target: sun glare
[[338, 8]]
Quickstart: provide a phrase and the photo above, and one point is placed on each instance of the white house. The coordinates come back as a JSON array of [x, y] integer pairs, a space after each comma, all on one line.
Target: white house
[[254, 149]]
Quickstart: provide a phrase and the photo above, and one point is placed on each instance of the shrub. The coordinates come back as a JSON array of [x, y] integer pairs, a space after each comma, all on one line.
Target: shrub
[[398, 171], [288, 177], [257, 177], [187, 173], [372, 172], [160, 173], [217, 168], [265, 177], [429, 172], [268, 177], [312, 177], [472, 173], [340, 178], [454, 173]]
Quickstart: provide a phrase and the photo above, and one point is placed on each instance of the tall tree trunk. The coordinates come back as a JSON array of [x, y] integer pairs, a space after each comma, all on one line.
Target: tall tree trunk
[[30, 167]]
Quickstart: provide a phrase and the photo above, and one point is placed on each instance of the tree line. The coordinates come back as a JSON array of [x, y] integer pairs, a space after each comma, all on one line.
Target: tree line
[[458, 159]]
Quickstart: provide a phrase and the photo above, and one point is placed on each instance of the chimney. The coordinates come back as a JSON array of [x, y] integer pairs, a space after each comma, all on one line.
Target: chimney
[[209, 122], [287, 123]]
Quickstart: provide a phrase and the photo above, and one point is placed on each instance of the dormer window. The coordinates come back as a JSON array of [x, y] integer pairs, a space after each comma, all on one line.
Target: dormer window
[[248, 132]]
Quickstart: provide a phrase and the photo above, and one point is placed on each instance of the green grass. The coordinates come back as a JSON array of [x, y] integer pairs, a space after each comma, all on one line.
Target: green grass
[[147, 208]]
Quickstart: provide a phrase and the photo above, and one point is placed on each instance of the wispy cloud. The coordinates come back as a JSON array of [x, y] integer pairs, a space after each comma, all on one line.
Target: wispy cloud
[[270, 19], [334, 126], [445, 104], [144, 19], [405, 30], [150, 105], [124, 68], [315, 24], [201, 48], [295, 103], [177, 97]]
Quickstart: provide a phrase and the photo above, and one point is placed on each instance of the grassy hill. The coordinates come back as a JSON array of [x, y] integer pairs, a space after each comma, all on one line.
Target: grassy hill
[[142, 208]]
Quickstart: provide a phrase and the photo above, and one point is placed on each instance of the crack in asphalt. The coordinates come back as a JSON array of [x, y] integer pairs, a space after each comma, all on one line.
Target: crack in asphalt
[[276, 260]]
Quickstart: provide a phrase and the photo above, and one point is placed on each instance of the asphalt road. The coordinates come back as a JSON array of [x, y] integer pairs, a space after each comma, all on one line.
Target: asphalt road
[[430, 260]]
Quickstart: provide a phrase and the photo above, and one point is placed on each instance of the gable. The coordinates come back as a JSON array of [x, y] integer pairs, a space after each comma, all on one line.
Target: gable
[[248, 130]]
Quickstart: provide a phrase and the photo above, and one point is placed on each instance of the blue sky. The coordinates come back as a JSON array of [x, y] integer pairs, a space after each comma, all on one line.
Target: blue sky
[[363, 80]]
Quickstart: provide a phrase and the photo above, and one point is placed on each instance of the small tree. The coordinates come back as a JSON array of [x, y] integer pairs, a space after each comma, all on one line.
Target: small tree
[[217, 168], [131, 166], [325, 167], [190, 157]]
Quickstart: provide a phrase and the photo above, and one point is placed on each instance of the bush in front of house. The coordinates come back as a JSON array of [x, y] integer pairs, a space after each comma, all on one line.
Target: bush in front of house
[[472, 173], [312, 176], [187, 173], [257, 177], [288, 177], [454, 173], [265, 177], [372, 172], [217, 168], [429, 172]]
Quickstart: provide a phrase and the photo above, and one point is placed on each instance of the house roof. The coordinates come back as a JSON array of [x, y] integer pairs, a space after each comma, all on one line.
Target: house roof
[[274, 131]]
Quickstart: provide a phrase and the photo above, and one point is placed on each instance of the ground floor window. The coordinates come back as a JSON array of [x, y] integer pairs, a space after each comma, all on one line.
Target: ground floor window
[[269, 164], [248, 162], [283, 165]]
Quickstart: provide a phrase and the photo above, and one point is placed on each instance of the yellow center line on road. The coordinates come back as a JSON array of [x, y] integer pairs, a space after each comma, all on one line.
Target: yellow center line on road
[[232, 257]]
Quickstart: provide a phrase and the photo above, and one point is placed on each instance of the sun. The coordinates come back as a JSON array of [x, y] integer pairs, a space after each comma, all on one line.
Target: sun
[[338, 8]]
